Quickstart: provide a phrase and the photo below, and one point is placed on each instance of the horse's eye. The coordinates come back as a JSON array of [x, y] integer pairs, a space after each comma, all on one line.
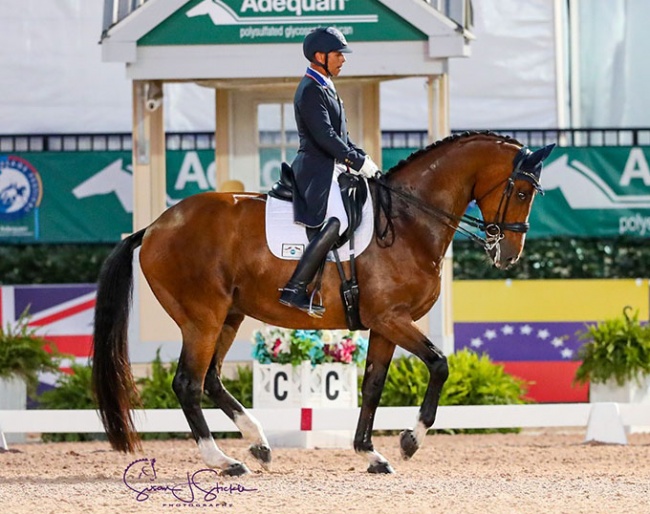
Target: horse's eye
[[521, 195]]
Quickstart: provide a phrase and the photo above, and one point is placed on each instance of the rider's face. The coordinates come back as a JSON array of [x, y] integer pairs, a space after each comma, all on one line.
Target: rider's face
[[335, 61]]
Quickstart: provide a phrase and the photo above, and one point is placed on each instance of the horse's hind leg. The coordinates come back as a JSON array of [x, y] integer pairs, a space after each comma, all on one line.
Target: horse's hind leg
[[247, 424], [198, 350], [380, 352]]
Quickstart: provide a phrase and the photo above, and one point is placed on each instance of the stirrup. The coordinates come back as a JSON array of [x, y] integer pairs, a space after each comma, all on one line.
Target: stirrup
[[320, 309], [314, 310]]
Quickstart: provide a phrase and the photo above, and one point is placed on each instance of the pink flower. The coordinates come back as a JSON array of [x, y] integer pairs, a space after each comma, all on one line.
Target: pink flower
[[276, 347]]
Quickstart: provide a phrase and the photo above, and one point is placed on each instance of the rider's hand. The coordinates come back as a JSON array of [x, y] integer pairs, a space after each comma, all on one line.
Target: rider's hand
[[369, 168]]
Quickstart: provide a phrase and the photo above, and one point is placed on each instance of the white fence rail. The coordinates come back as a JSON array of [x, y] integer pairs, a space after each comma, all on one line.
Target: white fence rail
[[605, 422]]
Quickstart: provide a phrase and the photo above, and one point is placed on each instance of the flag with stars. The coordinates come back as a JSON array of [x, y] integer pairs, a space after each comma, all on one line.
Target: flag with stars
[[530, 326], [528, 341]]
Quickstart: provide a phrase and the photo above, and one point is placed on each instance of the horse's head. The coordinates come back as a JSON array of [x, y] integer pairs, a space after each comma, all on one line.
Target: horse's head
[[505, 194]]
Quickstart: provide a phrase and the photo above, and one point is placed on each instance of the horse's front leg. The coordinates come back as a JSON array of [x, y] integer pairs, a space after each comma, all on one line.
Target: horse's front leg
[[196, 356], [407, 335], [380, 352]]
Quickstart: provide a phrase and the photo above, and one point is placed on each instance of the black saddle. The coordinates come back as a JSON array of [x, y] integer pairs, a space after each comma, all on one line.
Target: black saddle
[[354, 193], [283, 188]]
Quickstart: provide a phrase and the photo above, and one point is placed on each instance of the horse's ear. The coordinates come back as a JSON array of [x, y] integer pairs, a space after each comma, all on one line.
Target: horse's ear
[[528, 165], [539, 156]]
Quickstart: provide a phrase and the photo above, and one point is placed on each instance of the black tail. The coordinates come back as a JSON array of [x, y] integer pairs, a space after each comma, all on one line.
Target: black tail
[[112, 379]]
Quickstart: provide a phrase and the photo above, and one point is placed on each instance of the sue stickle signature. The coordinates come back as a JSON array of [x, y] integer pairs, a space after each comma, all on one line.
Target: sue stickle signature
[[141, 477]]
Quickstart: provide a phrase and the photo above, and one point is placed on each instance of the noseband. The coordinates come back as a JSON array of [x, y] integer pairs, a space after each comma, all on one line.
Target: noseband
[[494, 231]]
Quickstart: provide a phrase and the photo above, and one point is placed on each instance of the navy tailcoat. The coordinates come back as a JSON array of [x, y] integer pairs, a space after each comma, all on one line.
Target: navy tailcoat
[[320, 118]]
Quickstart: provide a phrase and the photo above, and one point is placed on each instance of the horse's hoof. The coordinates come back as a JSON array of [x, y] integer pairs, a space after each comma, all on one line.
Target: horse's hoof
[[235, 470], [408, 444], [381, 468], [262, 454]]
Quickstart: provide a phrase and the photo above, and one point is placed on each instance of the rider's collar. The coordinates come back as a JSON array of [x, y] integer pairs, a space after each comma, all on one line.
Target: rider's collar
[[320, 78]]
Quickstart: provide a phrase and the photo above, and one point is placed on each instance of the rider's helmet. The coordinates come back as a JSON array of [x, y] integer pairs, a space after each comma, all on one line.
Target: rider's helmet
[[326, 40]]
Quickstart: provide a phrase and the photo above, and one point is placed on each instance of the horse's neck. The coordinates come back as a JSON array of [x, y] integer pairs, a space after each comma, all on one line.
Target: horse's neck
[[441, 186]]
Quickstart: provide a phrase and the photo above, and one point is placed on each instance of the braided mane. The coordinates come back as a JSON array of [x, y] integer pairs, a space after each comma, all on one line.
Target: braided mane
[[449, 139]]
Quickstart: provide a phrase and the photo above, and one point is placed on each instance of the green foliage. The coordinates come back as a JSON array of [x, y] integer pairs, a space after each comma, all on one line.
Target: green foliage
[[616, 349], [156, 389], [473, 380], [542, 258], [559, 258], [476, 380], [52, 264], [24, 354], [71, 392]]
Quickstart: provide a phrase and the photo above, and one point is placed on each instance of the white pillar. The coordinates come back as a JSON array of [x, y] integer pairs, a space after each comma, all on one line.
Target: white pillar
[[441, 320]]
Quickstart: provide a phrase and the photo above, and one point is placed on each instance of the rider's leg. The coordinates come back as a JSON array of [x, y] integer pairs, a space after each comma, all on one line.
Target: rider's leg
[[295, 292]]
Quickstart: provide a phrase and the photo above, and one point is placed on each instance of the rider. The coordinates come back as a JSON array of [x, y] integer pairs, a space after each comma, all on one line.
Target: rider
[[324, 146]]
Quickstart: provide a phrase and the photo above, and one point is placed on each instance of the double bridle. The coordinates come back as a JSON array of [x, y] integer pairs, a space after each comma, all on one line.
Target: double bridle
[[494, 231]]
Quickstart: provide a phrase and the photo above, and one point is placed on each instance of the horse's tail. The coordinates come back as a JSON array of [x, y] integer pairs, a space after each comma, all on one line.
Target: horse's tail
[[112, 379]]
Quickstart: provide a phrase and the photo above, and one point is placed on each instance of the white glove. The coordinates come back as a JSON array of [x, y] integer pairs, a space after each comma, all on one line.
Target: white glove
[[369, 168]]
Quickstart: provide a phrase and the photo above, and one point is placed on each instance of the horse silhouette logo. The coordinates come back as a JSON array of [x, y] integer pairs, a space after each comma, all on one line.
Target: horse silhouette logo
[[21, 189], [116, 178], [113, 179], [584, 189]]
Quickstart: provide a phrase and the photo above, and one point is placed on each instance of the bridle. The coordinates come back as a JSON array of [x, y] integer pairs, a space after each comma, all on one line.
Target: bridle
[[494, 230]]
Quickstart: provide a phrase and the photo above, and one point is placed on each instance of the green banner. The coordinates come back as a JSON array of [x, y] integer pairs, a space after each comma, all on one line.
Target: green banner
[[598, 192], [210, 22], [66, 197], [85, 196]]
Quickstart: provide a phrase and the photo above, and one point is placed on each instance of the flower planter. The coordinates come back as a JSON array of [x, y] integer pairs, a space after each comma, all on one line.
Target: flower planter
[[631, 392], [13, 396], [329, 385]]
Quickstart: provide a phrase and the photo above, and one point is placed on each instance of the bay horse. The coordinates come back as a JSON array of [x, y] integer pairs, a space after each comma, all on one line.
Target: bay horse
[[207, 262]]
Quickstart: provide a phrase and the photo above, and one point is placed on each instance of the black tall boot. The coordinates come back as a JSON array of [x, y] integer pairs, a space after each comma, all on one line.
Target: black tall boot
[[295, 292]]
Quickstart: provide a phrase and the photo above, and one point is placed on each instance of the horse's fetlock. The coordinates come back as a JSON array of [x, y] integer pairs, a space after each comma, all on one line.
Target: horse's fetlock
[[362, 446]]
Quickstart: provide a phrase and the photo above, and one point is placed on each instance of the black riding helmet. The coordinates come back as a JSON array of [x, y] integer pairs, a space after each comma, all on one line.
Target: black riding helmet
[[326, 40]]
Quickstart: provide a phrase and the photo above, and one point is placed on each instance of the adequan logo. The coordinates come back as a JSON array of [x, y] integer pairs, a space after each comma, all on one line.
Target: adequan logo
[[583, 188], [260, 12], [21, 189]]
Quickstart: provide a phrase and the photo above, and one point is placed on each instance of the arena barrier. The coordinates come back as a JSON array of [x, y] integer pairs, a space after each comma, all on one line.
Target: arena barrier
[[605, 422]]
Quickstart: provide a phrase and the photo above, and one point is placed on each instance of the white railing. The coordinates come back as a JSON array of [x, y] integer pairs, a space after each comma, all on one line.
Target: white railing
[[605, 422]]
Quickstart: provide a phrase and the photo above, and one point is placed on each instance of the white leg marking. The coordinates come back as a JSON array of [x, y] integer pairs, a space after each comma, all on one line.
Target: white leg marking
[[250, 428], [374, 457], [419, 432], [212, 455]]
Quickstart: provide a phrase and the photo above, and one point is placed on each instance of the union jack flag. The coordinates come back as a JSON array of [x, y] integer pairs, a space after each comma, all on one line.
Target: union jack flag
[[62, 314]]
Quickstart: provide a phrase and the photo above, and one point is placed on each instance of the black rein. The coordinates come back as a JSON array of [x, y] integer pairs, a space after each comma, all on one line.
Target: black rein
[[493, 230]]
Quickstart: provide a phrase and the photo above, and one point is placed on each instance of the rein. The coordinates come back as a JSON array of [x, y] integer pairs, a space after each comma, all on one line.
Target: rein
[[493, 230]]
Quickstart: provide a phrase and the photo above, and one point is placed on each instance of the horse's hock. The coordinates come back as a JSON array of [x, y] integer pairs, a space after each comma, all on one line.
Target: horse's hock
[[331, 385]]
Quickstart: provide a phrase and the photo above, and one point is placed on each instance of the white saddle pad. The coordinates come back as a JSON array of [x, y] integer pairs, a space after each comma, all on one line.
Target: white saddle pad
[[287, 240]]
